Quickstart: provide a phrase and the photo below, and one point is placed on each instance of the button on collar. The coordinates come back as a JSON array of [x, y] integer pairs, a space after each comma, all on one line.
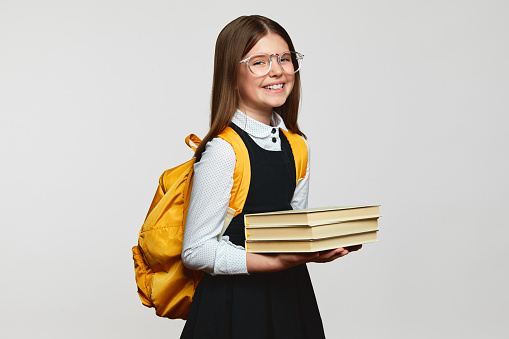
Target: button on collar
[[274, 140], [273, 130]]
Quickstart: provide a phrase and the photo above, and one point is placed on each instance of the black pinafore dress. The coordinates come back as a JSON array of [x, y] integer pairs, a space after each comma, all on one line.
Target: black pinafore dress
[[271, 305]]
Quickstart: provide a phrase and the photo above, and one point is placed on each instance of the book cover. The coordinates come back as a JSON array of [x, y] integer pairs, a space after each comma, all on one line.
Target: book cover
[[312, 216], [284, 232], [280, 246]]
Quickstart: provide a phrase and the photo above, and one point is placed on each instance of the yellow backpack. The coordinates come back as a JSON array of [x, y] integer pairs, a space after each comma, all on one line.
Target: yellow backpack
[[163, 281]]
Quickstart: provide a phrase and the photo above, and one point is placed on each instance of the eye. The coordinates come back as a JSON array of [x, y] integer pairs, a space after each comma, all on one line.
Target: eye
[[259, 60], [286, 57], [258, 63]]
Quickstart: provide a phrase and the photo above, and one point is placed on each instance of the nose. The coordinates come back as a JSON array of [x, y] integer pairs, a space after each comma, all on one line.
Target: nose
[[276, 70]]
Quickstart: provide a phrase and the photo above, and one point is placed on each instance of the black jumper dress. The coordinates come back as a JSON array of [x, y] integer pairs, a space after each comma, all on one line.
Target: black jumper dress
[[261, 305]]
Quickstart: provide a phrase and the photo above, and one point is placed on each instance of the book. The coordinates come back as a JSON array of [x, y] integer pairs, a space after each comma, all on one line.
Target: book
[[283, 232], [314, 245], [311, 216]]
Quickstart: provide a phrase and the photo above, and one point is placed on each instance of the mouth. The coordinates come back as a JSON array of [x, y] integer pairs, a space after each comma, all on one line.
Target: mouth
[[274, 87]]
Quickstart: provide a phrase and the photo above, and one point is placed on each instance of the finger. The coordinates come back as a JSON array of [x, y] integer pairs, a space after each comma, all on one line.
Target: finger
[[353, 248], [327, 256], [324, 260], [330, 253], [336, 251]]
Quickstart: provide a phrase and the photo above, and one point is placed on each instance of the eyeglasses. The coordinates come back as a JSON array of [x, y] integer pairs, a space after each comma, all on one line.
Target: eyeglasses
[[260, 64]]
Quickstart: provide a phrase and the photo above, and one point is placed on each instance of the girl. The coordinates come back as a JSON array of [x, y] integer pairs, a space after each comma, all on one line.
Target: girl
[[256, 91]]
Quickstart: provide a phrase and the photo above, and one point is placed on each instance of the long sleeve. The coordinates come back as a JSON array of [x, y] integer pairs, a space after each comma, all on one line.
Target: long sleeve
[[212, 184]]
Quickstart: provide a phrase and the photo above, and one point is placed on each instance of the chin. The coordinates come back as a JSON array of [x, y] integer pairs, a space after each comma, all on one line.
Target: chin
[[278, 103]]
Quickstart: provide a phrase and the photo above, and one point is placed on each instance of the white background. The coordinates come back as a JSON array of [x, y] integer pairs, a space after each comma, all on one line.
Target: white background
[[405, 104]]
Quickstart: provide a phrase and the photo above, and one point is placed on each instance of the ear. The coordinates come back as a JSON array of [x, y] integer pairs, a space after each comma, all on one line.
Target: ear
[[237, 96]]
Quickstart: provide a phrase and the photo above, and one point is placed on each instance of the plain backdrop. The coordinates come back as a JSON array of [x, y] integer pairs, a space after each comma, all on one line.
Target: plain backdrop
[[405, 104]]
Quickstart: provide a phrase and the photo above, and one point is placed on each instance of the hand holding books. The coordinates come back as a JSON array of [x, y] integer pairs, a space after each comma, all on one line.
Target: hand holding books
[[279, 240], [330, 255], [273, 262], [353, 248]]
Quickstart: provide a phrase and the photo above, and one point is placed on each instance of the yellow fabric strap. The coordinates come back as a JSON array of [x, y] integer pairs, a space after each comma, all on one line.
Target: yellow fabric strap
[[300, 153], [242, 173], [194, 139]]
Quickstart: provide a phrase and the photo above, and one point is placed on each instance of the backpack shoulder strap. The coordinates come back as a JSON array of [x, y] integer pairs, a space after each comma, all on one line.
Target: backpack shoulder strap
[[300, 153], [241, 175]]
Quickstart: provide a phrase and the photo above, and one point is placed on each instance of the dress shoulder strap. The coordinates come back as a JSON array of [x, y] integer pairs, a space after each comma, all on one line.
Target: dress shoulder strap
[[300, 153], [241, 175]]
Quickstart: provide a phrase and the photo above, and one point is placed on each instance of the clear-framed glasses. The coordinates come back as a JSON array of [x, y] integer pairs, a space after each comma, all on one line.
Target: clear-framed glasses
[[261, 63]]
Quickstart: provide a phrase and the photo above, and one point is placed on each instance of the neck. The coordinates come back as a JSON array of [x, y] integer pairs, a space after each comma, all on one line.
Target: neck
[[263, 117]]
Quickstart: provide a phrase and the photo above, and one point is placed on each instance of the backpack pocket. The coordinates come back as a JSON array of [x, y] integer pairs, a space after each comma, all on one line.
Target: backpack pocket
[[144, 277]]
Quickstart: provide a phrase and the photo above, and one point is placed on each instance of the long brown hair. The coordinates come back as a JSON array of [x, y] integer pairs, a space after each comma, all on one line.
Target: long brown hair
[[233, 43]]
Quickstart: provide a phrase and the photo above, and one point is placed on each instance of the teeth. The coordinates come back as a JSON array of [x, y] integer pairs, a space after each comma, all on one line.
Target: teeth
[[275, 86]]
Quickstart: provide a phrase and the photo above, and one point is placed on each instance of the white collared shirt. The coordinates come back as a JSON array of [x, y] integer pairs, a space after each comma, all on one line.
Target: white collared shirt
[[212, 184]]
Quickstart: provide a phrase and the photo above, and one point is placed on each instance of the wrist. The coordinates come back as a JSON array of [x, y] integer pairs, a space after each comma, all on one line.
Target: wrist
[[275, 262], [263, 263]]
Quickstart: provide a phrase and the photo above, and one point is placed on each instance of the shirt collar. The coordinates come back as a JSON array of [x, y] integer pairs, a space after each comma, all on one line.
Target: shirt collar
[[255, 128]]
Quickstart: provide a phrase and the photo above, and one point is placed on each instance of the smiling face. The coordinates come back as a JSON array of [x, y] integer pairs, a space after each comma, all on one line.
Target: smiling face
[[260, 94]]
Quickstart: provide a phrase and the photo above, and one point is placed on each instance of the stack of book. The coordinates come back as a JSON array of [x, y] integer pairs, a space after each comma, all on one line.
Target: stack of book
[[311, 230]]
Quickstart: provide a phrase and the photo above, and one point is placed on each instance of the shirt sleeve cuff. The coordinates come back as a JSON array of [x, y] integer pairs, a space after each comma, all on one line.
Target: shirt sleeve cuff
[[230, 258]]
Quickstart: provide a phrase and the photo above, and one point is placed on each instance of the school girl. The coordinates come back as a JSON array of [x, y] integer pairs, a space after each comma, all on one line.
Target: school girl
[[256, 91]]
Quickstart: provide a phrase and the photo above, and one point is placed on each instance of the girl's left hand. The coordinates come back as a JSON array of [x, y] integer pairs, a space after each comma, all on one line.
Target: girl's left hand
[[330, 255], [273, 262]]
